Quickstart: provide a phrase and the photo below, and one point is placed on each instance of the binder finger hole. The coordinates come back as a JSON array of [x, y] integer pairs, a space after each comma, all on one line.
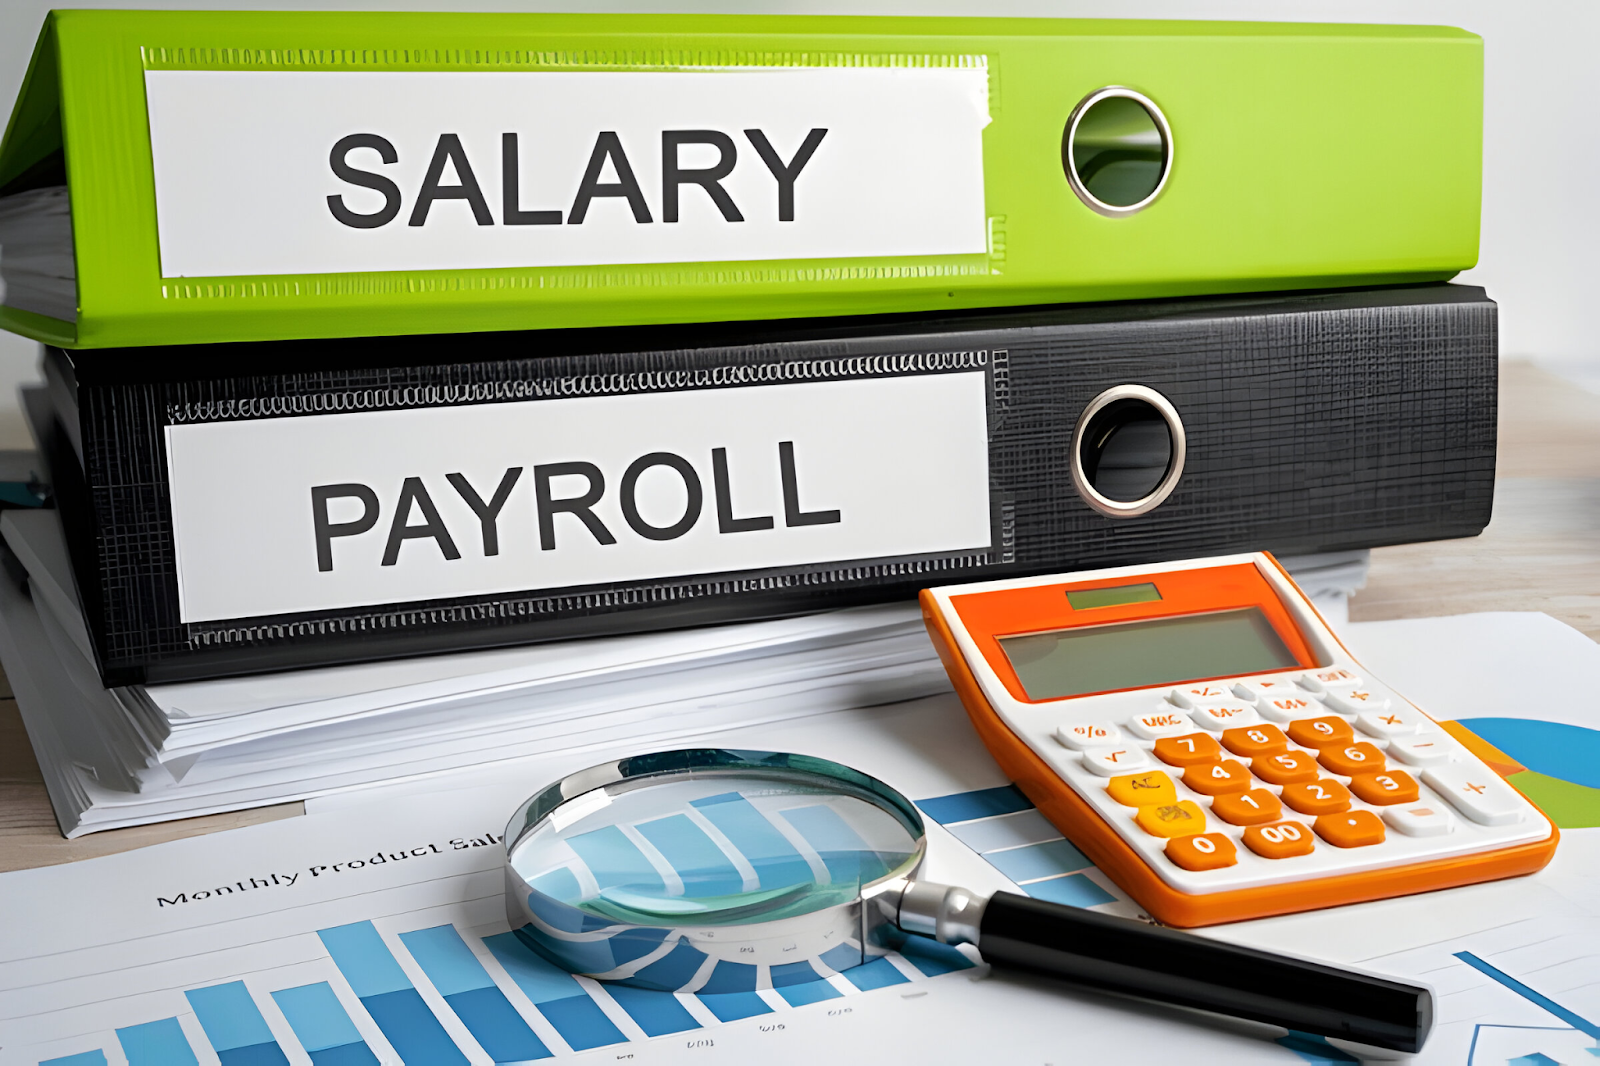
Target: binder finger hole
[[1127, 451], [1117, 151]]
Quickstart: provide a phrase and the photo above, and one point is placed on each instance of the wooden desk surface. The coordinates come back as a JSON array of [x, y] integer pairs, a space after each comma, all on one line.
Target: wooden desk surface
[[1541, 552]]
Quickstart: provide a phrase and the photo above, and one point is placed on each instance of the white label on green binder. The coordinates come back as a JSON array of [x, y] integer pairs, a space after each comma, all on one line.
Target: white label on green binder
[[314, 172], [285, 515]]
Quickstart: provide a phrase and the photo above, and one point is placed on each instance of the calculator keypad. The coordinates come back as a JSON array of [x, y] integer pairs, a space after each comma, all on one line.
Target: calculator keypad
[[1277, 768]]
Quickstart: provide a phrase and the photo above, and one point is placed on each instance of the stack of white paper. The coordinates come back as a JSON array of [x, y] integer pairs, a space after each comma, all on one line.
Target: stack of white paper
[[36, 260], [140, 754]]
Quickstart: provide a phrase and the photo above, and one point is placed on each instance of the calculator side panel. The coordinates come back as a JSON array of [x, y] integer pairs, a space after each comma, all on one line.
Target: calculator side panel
[[1084, 826]]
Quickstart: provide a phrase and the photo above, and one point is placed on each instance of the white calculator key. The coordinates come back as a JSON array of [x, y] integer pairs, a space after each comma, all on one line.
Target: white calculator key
[[1252, 689], [1330, 679], [1354, 701], [1191, 696], [1424, 749], [1389, 724], [1109, 762], [1476, 792], [1088, 735], [1420, 819], [1225, 716], [1158, 724], [1288, 708]]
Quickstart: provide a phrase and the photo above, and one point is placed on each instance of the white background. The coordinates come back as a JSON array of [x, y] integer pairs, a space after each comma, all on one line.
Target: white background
[[899, 171], [904, 460], [1541, 215]]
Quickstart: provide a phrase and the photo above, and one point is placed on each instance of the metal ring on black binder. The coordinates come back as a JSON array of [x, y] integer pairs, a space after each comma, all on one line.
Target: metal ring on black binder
[[1068, 145], [1084, 483]]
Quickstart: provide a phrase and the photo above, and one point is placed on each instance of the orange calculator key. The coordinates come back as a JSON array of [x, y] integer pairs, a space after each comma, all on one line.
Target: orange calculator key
[[1172, 819], [1352, 829], [1320, 732], [1317, 797], [1247, 808], [1285, 768], [1253, 740], [1202, 851], [1391, 786], [1142, 790], [1186, 751], [1351, 759], [1216, 778], [1282, 841]]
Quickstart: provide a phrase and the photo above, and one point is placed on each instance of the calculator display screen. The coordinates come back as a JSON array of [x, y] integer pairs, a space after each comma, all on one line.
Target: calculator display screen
[[1157, 651]]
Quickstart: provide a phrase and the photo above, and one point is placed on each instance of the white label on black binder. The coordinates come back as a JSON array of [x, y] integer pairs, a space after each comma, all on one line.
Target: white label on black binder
[[321, 512], [306, 172]]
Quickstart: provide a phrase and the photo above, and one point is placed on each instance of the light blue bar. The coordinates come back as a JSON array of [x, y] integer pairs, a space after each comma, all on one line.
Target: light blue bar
[[82, 1058], [702, 866], [229, 1016], [1074, 890], [559, 884], [446, 959], [984, 803], [615, 860], [540, 981], [1006, 831], [845, 854], [317, 1017], [1049, 859], [156, 1044], [364, 959], [776, 863]]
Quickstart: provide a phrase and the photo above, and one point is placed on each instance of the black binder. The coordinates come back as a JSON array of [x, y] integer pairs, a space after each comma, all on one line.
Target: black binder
[[1116, 433]]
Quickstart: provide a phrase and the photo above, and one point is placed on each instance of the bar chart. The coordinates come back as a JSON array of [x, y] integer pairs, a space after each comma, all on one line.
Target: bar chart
[[1003, 826], [407, 987]]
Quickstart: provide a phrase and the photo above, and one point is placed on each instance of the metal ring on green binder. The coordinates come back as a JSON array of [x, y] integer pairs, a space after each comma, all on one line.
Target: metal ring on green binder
[[1117, 151]]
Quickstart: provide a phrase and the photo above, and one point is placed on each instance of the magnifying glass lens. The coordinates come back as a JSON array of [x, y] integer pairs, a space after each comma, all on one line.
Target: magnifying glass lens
[[716, 850]]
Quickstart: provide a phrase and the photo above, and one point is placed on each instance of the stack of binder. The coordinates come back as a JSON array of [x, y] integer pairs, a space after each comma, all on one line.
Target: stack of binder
[[371, 337]]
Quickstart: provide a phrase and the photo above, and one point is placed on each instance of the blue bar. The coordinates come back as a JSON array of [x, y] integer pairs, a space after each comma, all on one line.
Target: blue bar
[[412, 1030], [1049, 859], [1006, 831], [615, 860], [846, 855], [673, 970], [1538, 999], [344, 1055], [82, 1058], [695, 857], [562, 1001], [156, 1044], [879, 973], [320, 1023], [810, 992], [446, 959], [234, 1025], [364, 959], [658, 1013], [731, 1006], [984, 803], [776, 863], [384, 989], [254, 1055], [495, 1024], [932, 957], [729, 977], [1075, 890], [842, 957]]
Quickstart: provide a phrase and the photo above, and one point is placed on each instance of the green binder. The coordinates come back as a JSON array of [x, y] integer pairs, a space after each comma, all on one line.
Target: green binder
[[185, 177]]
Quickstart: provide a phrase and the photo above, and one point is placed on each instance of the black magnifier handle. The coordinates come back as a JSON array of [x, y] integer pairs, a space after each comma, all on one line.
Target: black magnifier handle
[[1166, 966]]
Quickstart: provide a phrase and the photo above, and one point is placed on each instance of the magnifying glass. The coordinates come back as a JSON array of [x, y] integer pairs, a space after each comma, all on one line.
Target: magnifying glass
[[738, 870]]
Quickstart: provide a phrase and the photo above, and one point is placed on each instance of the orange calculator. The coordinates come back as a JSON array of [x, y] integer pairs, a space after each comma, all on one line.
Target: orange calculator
[[1198, 731]]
